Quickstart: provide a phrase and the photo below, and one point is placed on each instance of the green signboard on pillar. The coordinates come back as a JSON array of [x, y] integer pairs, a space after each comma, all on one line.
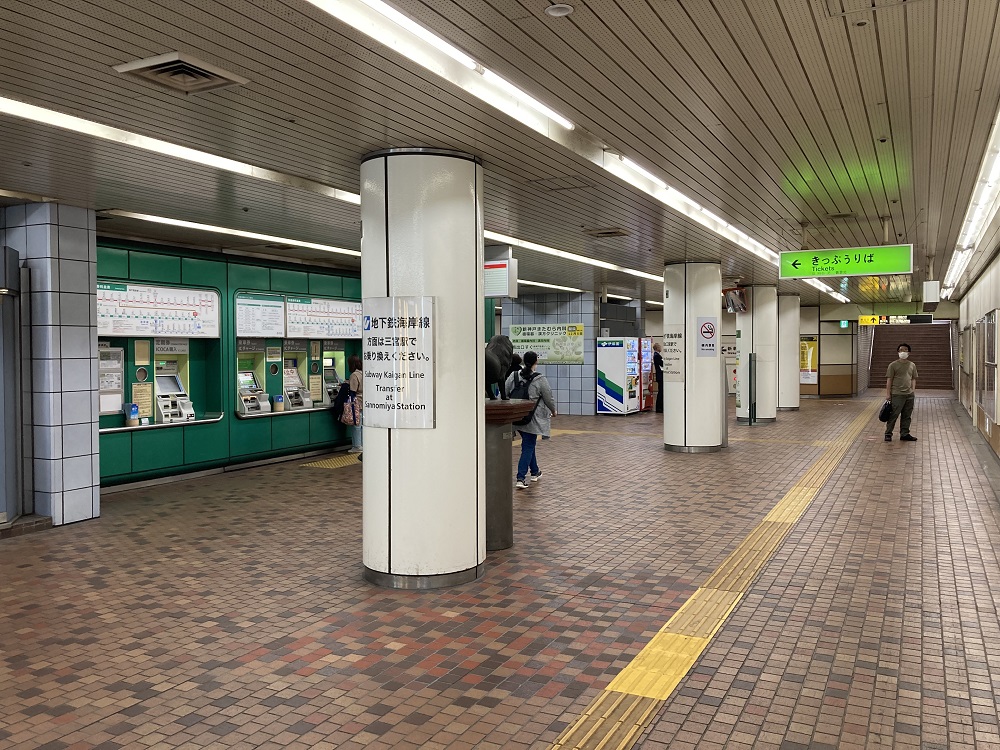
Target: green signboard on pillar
[[881, 260]]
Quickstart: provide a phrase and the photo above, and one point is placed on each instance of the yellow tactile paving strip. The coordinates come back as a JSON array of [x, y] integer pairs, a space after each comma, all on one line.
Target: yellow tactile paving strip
[[656, 671], [336, 462], [646, 435]]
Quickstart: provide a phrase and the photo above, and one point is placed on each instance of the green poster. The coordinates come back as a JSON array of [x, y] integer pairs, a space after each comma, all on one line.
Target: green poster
[[553, 343]]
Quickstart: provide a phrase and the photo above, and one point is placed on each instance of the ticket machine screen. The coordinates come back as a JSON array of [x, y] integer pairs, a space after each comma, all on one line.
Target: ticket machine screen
[[246, 380], [168, 384]]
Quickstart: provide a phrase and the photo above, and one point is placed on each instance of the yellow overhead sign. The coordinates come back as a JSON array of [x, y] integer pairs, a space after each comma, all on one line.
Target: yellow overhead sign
[[873, 320]]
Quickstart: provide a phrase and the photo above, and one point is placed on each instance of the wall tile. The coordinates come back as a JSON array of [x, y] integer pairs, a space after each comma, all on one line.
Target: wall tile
[[44, 308], [78, 504], [77, 473], [41, 241], [76, 440], [47, 442], [47, 409], [49, 504], [74, 309], [46, 375], [76, 343], [76, 374], [14, 216], [74, 276], [48, 476], [95, 503], [40, 213], [45, 342], [73, 217], [44, 274]]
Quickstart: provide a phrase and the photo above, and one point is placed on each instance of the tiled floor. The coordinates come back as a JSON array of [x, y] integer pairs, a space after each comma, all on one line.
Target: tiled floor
[[230, 612]]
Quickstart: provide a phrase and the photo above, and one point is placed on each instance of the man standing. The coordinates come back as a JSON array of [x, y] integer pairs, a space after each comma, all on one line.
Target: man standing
[[900, 383], [658, 372]]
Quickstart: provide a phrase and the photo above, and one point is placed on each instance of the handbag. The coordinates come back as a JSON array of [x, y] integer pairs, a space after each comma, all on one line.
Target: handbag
[[653, 386], [351, 416], [885, 413]]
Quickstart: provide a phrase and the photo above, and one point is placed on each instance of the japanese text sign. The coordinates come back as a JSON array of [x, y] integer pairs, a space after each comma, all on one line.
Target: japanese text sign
[[849, 261], [398, 362]]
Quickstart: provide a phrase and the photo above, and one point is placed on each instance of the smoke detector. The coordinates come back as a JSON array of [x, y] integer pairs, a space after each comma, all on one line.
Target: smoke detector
[[178, 71]]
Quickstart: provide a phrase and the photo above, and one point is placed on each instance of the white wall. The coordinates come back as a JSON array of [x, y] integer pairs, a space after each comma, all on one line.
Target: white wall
[[983, 296], [654, 323]]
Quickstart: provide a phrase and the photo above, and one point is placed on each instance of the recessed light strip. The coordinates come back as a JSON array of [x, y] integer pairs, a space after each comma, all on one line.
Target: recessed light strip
[[388, 26], [234, 232], [108, 133], [549, 286], [654, 302], [507, 240]]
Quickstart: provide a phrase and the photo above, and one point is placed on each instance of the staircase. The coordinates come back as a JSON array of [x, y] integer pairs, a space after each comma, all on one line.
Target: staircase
[[931, 350]]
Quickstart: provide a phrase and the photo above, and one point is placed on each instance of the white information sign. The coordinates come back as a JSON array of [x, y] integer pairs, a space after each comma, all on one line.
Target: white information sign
[[500, 278], [170, 346], [708, 337], [315, 318], [673, 353], [260, 316], [398, 356], [134, 310]]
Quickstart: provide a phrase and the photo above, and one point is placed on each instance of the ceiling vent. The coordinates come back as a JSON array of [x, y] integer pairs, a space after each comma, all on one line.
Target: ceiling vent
[[607, 232], [180, 72], [282, 247], [846, 215]]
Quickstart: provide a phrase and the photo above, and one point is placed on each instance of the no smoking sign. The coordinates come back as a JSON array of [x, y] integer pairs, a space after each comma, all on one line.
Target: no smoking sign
[[707, 329]]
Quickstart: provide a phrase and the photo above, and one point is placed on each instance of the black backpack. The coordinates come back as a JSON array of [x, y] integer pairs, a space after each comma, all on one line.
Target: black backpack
[[520, 391]]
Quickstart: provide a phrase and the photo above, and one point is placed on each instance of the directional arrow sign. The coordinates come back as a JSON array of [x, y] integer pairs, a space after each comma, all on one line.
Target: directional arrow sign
[[847, 261]]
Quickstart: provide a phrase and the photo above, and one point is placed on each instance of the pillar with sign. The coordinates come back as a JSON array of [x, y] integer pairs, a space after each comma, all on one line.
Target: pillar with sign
[[693, 378], [789, 352], [757, 342], [424, 521]]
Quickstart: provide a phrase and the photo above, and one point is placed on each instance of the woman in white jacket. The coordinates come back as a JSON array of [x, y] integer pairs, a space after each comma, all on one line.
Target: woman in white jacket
[[540, 392]]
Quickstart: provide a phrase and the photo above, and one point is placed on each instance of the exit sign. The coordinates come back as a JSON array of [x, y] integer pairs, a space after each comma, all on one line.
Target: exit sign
[[847, 261]]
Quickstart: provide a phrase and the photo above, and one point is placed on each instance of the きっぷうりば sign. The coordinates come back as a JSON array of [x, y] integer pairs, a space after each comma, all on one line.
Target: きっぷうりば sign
[[847, 261], [398, 362]]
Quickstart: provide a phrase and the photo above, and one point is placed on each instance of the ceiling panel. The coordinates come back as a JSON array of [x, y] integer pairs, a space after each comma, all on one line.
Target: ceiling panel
[[768, 112]]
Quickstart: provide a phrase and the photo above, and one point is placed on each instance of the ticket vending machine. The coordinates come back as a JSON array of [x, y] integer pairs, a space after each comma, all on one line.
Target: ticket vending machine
[[297, 396], [253, 398], [172, 401], [331, 378]]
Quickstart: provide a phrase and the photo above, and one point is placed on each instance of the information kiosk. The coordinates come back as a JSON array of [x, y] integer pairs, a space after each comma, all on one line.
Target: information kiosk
[[253, 399], [172, 401], [296, 394]]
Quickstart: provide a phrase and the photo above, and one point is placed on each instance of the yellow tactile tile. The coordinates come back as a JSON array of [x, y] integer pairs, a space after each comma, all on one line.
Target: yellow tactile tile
[[660, 666], [336, 462]]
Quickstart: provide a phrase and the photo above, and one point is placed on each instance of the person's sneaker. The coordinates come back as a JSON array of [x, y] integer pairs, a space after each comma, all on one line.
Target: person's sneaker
[[536, 477], [888, 438], [521, 484], [907, 438]]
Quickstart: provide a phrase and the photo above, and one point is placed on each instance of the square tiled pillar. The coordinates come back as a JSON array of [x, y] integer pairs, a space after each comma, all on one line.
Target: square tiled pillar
[[59, 245]]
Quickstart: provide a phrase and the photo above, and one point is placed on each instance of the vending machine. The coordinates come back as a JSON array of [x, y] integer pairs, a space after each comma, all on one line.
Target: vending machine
[[619, 376], [647, 376]]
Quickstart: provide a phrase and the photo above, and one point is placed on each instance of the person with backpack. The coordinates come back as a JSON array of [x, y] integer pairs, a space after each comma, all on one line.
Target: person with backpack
[[532, 386]]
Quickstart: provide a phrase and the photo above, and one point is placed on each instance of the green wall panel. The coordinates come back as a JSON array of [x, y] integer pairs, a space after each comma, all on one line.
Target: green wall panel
[[250, 436], [325, 286], [116, 453], [289, 432], [154, 268], [324, 428], [203, 273], [206, 442], [289, 281], [157, 449], [248, 277], [352, 288], [112, 263]]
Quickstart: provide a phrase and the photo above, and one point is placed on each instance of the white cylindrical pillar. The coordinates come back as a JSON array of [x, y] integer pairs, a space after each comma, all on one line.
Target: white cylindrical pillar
[[757, 344], [788, 352], [424, 497], [692, 393]]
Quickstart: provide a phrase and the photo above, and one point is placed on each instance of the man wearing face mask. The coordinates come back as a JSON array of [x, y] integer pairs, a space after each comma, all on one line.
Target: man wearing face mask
[[900, 383]]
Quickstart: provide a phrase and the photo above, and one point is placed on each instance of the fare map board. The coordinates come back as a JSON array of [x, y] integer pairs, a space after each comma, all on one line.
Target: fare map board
[[143, 311], [846, 261], [315, 318], [260, 316]]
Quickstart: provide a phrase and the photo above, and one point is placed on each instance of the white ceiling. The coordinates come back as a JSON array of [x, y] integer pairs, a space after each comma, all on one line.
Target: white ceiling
[[767, 112]]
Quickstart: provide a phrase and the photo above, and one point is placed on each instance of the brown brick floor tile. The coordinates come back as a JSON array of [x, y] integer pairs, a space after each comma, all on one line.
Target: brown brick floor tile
[[229, 612]]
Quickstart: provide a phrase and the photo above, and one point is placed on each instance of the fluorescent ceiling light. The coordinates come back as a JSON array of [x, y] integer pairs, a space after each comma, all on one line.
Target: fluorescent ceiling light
[[117, 135], [521, 96], [549, 286], [270, 239], [654, 302], [507, 240], [389, 27], [618, 296], [980, 214]]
